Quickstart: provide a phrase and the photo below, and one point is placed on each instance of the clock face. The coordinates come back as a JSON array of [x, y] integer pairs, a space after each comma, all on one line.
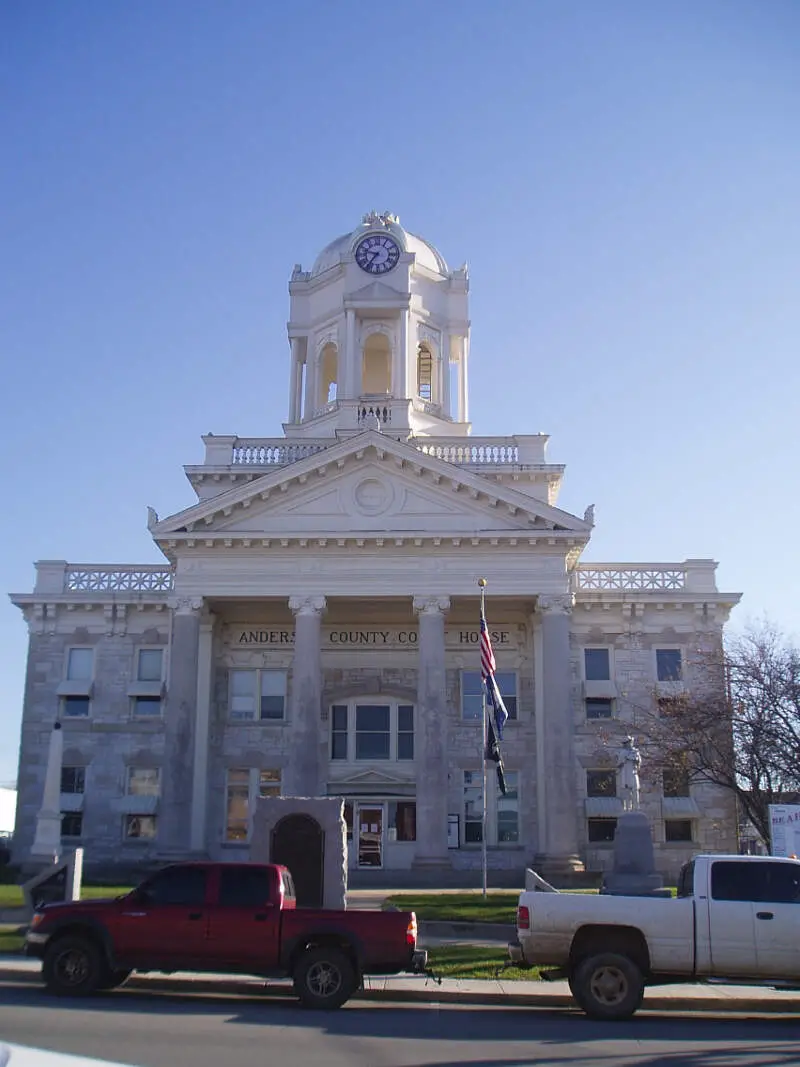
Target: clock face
[[377, 253]]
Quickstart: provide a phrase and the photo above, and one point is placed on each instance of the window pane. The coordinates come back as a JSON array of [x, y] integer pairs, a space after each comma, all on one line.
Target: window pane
[[597, 708], [75, 707], [273, 683], [601, 784], [372, 717], [243, 887], [508, 810], [73, 779], [597, 664], [72, 824], [601, 830], [737, 881], [403, 819], [678, 829], [339, 717], [372, 746], [473, 807], [668, 664], [405, 717], [150, 660], [146, 706], [269, 783], [237, 812], [405, 746], [140, 827], [471, 707], [272, 707], [239, 776], [243, 683], [507, 684], [339, 746], [79, 664], [783, 883], [177, 885], [143, 781], [471, 695]]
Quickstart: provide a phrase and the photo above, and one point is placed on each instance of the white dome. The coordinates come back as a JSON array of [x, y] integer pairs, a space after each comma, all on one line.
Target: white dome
[[425, 253]]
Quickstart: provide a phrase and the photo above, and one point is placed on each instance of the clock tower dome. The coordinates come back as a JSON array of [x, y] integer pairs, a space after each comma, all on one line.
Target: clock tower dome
[[379, 335]]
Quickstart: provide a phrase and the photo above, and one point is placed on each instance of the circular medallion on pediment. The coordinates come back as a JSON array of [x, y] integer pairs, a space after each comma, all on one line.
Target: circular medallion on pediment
[[372, 496]]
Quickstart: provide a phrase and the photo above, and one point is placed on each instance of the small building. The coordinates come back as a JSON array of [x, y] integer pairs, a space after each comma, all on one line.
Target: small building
[[314, 627]]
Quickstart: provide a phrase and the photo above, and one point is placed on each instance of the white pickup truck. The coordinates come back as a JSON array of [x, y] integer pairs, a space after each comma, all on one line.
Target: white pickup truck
[[734, 918]]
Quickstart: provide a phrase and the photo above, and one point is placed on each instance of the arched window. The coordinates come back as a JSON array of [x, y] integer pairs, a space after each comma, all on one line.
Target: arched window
[[328, 373], [376, 366], [424, 373]]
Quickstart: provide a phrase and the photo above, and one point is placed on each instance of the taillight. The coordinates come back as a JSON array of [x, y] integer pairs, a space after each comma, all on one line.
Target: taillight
[[411, 930], [523, 917]]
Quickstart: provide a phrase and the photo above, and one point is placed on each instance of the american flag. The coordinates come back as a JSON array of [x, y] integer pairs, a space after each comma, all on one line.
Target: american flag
[[488, 668]]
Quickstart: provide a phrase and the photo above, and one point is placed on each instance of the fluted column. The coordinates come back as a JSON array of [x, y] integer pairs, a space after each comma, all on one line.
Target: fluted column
[[560, 847], [352, 375], [294, 392], [430, 744], [404, 384], [175, 809], [302, 778], [205, 665]]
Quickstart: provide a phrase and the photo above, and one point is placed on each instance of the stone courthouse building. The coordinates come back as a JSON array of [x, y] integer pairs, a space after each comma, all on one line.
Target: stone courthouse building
[[314, 627]]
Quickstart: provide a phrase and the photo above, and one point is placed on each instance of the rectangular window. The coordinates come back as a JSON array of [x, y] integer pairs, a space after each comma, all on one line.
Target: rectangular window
[[508, 811], [678, 829], [150, 664], [601, 783], [269, 783], [74, 707], [737, 881], [668, 664], [472, 693], [405, 731], [675, 782], [139, 827], [257, 694], [668, 706], [473, 807], [601, 831], [597, 664], [339, 731], [146, 707], [143, 782], [373, 734], [79, 664], [403, 820], [71, 824], [237, 808], [243, 887], [599, 708], [73, 780]]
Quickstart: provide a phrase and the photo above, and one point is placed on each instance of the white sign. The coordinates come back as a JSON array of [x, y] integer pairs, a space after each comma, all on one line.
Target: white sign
[[785, 829]]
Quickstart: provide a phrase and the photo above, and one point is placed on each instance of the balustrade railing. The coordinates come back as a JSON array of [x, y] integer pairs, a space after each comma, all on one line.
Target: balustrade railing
[[274, 452], [648, 577], [80, 578], [471, 451]]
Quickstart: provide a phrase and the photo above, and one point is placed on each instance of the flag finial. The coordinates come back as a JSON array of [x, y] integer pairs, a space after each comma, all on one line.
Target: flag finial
[[482, 583]]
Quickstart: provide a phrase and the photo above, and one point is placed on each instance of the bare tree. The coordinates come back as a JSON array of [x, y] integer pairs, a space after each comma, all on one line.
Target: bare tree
[[738, 725]]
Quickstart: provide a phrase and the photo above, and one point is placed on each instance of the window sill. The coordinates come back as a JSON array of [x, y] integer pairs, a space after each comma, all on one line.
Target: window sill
[[234, 844], [257, 722]]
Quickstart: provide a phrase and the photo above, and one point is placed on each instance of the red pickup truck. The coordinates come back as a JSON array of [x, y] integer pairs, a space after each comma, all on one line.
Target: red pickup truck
[[235, 918]]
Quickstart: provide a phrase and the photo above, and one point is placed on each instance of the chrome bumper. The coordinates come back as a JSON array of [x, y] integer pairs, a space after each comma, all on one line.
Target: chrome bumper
[[419, 961], [515, 953]]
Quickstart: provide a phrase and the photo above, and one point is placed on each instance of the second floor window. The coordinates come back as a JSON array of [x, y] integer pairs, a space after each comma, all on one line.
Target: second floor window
[[597, 664], [80, 663], [675, 782], [73, 780], [601, 783], [372, 732], [143, 782], [244, 784], [669, 667], [472, 693], [257, 695]]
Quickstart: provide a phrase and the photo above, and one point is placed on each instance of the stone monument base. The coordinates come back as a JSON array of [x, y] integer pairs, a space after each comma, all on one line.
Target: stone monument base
[[634, 873]]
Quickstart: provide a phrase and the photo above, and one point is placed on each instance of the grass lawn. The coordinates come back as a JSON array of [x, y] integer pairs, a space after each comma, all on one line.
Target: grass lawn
[[473, 961], [498, 907], [11, 895], [10, 940]]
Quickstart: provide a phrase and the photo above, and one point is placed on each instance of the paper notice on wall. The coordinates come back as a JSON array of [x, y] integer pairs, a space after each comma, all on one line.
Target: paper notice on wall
[[785, 827]]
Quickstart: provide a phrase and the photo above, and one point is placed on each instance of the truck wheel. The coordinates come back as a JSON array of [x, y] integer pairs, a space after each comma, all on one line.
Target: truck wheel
[[324, 978], [73, 967], [608, 986]]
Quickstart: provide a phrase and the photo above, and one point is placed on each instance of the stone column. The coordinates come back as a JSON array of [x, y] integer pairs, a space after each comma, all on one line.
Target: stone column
[[303, 776], [294, 391], [463, 382], [444, 366], [430, 743], [559, 850], [403, 384], [177, 775], [205, 665], [351, 377], [310, 401]]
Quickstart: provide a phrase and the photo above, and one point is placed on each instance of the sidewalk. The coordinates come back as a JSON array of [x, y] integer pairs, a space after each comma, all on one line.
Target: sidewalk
[[411, 989]]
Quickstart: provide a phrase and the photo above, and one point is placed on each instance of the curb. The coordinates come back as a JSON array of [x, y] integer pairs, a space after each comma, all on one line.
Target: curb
[[427, 994]]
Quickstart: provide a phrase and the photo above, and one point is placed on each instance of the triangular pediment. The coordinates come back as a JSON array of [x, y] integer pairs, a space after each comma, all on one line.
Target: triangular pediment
[[369, 484], [371, 776], [377, 292]]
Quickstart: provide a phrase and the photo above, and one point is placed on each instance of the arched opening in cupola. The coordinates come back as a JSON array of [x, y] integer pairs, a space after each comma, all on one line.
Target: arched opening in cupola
[[376, 365], [328, 373]]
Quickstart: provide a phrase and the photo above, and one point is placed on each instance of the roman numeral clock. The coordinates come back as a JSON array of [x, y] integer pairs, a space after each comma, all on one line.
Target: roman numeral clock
[[377, 253]]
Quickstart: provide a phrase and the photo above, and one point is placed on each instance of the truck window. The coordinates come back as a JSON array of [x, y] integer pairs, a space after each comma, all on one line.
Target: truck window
[[737, 881], [243, 887], [782, 883], [288, 886], [176, 885], [686, 880]]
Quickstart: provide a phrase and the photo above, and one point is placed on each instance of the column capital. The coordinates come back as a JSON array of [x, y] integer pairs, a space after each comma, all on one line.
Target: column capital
[[555, 605], [431, 605], [186, 605], [307, 605]]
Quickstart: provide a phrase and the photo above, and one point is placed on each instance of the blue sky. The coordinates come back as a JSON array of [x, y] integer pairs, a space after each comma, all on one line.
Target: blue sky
[[621, 177]]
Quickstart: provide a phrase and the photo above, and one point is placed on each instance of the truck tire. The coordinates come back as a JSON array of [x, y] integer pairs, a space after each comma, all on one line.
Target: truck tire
[[73, 967], [608, 986], [324, 978], [113, 979]]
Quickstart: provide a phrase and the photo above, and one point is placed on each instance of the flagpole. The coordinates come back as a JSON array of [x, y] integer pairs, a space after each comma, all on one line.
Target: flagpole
[[482, 584]]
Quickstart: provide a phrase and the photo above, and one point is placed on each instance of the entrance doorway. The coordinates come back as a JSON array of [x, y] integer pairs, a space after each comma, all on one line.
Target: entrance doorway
[[298, 843], [369, 831]]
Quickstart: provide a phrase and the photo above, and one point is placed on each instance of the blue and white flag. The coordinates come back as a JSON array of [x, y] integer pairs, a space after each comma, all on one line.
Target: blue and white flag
[[488, 668]]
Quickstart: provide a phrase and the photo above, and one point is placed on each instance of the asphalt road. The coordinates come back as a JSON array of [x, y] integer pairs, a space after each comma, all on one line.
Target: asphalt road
[[167, 1030]]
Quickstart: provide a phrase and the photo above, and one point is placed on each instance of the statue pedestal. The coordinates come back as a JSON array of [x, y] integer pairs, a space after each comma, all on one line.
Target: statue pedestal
[[634, 873]]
